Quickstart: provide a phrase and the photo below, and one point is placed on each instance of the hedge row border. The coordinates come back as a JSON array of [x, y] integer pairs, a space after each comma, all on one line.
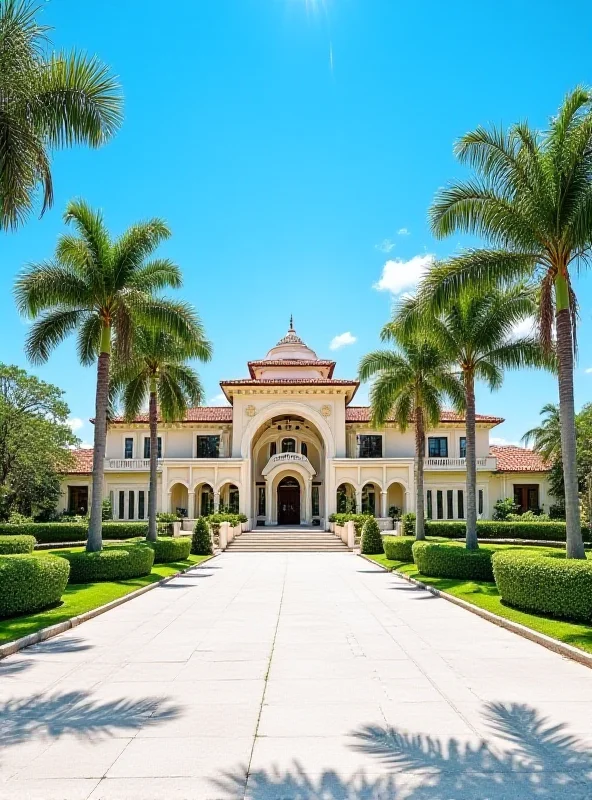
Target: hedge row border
[[567, 650], [61, 627]]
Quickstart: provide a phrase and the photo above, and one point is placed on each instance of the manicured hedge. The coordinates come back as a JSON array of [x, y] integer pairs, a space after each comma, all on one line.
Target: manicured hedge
[[29, 583], [201, 543], [398, 548], [56, 532], [448, 560], [10, 545], [166, 550], [488, 529], [357, 519], [371, 540], [546, 583], [116, 563]]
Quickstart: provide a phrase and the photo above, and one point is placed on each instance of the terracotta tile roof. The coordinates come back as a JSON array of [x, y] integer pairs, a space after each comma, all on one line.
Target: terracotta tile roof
[[517, 459], [198, 414], [83, 462], [362, 414], [289, 382], [291, 362]]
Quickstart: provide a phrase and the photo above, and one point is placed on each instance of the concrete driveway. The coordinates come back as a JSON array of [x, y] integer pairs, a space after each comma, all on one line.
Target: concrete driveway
[[308, 676]]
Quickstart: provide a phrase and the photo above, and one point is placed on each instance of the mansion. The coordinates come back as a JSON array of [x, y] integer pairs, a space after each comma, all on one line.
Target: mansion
[[291, 448]]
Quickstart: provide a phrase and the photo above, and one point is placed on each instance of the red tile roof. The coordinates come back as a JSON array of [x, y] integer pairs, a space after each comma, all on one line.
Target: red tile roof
[[517, 459], [198, 414], [363, 414], [83, 462]]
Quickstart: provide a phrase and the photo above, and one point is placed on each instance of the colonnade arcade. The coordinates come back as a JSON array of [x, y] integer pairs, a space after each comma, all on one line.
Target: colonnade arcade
[[203, 499], [372, 498]]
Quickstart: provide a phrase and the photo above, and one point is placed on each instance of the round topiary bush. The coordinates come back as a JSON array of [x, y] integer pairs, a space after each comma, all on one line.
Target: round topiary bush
[[167, 550], [9, 545], [449, 560], [398, 548], [371, 542], [116, 563], [201, 543], [545, 582], [29, 583]]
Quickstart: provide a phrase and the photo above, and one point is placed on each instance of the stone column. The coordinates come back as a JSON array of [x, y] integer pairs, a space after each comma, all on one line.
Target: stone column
[[216, 502], [309, 502], [191, 505], [384, 504], [358, 501], [170, 502], [268, 503]]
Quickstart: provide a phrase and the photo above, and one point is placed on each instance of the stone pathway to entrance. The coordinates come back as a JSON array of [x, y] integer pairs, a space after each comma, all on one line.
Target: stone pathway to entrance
[[309, 676]]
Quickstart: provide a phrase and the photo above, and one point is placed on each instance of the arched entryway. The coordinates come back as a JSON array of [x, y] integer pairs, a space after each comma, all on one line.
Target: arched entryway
[[288, 502]]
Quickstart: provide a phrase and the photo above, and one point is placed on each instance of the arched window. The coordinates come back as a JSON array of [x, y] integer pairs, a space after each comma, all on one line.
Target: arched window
[[304, 449], [288, 445]]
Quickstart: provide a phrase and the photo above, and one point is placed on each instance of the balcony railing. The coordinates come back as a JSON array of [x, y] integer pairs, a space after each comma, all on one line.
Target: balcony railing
[[489, 462], [140, 464]]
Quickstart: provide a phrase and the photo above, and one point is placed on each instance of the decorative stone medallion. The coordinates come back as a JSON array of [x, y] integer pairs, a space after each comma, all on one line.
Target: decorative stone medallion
[[250, 411], [326, 411]]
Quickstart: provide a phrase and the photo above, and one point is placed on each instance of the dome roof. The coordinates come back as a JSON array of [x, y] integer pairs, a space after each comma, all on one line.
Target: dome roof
[[291, 348]]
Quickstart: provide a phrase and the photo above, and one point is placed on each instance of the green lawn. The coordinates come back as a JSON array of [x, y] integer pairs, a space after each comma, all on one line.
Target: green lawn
[[82, 597], [485, 595]]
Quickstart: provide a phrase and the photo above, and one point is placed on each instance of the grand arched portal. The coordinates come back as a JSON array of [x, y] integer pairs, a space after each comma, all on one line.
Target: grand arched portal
[[288, 502]]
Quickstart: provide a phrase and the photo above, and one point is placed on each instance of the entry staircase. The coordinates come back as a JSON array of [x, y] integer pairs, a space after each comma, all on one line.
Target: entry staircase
[[287, 539]]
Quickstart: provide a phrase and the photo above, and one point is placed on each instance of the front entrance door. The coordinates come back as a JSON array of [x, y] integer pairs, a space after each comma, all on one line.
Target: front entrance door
[[288, 502]]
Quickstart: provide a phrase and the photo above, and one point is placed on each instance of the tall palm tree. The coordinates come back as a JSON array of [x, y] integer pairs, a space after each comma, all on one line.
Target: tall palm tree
[[410, 383], [158, 372], [47, 101], [476, 332], [532, 201], [546, 437], [103, 288]]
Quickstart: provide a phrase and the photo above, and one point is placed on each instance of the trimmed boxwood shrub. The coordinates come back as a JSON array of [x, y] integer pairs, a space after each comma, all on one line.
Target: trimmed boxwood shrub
[[448, 560], [201, 542], [16, 544], [371, 542], [57, 532], [491, 529], [358, 519], [29, 583], [545, 582], [167, 550], [117, 563], [408, 524], [398, 548]]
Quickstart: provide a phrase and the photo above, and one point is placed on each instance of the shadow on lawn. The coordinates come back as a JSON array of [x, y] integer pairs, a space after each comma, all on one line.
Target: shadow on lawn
[[536, 760]]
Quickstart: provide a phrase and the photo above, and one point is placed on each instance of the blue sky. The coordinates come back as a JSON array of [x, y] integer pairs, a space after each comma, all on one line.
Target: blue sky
[[294, 150]]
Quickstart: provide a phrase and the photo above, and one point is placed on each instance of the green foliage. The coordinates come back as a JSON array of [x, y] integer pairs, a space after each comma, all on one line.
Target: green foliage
[[398, 548], [357, 519], [107, 510], [449, 560], [503, 508], [171, 549], [165, 516], [116, 563], [491, 529], [371, 541], [216, 519], [201, 542], [16, 518], [16, 544], [394, 513], [545, 583], [34, 441], [65, 532], [557, 511], [408, 524], [29, 583], [528, 516]]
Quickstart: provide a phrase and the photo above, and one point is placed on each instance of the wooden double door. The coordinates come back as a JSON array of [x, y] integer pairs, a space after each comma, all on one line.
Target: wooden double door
[[288, 502]]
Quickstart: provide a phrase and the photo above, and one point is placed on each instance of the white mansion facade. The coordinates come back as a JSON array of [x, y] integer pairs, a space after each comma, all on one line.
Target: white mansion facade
[[291, 448]]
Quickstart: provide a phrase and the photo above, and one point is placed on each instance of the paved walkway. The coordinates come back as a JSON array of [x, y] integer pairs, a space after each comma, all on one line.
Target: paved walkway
[[308, 676]]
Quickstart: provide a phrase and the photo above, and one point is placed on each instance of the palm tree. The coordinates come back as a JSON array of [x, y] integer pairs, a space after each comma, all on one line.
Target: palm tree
[[47, 101], [532, 201], [476, 333], [546, 437], [158, 372], [104, 289], [410, 383]]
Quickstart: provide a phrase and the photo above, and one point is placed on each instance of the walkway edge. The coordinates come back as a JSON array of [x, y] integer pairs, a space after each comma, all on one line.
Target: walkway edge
[[556, 646], [54, 630]]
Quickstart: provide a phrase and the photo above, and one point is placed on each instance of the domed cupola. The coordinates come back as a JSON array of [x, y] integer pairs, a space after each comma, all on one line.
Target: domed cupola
[[291, 348]]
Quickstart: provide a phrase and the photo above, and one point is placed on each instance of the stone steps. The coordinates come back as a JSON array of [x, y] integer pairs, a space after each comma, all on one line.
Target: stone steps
[[287, 541]]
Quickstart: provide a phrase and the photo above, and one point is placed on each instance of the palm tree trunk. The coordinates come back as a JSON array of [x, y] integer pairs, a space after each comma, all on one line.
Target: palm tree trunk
[[574, 543], [95, 526], [471, 462], [153, 419], [419, 457]]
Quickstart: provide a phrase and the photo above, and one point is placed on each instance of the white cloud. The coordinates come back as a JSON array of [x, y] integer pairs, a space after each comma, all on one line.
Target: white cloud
[[385, 246], [525, 327], [81, 446], [218, 400], [398, 275], [588, 371], [342, 340], [403, 232], [75, 423], [501, 442]]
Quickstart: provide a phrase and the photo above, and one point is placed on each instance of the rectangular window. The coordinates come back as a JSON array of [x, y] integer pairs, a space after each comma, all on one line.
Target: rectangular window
[[429, 504], [261, 501], [78, 499], [129, 448], [449, 504], [526, 496], [437, 446], [369, 446], [121, 509], [131, 511], [461, 504], [288, 445], [463, 446], [316, 506], [141, 508], [480, 508], [208, 447], [440, 504], [147, 447]]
